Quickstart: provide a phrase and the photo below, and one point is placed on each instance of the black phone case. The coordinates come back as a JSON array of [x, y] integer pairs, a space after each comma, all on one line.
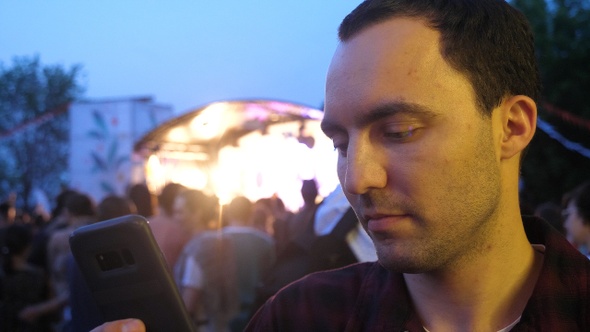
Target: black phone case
[[127, 274]]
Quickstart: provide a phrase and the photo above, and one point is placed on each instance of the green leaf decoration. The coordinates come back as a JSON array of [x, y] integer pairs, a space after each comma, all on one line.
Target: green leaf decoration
[[99, 162], [112, 155], [96, 135], [101, 123], [121, 160]]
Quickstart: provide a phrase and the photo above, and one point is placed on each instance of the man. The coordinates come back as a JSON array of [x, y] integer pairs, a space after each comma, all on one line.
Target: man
[[205, 270], [80, 210], [430, 105], [253, 253], [170, 234]]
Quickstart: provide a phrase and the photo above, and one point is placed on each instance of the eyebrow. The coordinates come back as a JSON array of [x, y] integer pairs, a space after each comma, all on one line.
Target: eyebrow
[[383, 111]]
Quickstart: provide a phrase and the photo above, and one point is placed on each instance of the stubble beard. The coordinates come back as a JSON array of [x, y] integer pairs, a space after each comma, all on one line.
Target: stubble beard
[[456, 234]]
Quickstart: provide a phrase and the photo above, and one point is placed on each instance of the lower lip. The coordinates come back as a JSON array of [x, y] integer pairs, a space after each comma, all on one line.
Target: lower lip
[[384, 224]]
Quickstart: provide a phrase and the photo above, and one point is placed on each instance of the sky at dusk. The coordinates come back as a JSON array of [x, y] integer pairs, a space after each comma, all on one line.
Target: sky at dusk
[[183, 53]]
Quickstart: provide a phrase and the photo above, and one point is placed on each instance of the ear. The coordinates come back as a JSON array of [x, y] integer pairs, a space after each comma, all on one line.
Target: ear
[[519, 122]]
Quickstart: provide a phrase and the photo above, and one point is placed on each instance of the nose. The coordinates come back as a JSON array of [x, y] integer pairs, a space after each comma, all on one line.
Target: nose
[[363, 168]]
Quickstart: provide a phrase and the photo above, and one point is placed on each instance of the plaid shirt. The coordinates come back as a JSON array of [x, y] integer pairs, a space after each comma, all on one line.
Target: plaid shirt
[[367, 297]]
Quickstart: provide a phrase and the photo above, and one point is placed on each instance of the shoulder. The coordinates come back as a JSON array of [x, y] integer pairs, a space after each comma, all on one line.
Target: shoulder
[[560, 257], [59, 239], [562, 293], [200, 240], [321, 301], [341, 285], [248, 233]]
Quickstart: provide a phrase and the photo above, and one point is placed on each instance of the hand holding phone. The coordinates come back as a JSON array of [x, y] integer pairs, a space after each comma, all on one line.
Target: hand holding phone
[[124, 325], [127, 274]]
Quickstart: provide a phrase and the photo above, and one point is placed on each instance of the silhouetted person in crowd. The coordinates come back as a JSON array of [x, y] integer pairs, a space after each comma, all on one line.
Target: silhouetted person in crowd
[[206, 270], [7, 213], [141, 196], [23, 286], [551, 212], [57, 221], [114, 206], [7, 218], [170, 235], [577, 218], [302, 221], [80, 210], [254, 253]]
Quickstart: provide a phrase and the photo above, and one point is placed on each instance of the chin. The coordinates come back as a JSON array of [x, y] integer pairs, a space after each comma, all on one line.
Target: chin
[[402, 267], [405, 263]]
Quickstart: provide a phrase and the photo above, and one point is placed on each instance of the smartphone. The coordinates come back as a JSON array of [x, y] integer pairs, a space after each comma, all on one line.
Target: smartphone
[[127, 274]]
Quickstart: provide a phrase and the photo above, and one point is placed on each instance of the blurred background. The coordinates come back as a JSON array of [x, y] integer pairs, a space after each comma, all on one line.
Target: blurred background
[[88, 90]]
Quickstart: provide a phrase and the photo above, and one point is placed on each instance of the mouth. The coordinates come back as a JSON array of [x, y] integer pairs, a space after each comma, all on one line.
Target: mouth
[[385, 223]]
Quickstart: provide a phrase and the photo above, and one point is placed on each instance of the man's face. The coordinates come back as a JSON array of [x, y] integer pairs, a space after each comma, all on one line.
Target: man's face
[[417, 160]]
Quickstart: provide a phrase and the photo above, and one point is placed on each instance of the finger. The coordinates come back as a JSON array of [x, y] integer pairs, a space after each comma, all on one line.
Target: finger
[[124, 325]]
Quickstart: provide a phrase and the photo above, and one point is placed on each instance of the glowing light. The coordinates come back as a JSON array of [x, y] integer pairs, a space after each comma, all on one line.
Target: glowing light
[[208, 123], [193, 178], [154, 174], [261, 164], [178, 135], [274, 164]]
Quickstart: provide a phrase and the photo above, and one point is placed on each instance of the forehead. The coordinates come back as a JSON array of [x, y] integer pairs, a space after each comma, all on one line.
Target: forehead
[[396, 61]]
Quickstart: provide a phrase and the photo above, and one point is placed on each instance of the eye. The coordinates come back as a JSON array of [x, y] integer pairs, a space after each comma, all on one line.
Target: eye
[[339, 140], [400, 133], [341, 148]]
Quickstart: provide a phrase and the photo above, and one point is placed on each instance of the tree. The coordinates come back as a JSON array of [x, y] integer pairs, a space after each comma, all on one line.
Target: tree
[[34, 126], [562, 41]]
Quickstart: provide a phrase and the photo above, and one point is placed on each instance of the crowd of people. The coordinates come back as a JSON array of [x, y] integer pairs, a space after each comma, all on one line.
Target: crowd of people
[[37, 286], [226, 260]]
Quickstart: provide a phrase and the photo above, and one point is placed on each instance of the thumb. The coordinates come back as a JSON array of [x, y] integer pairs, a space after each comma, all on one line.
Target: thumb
[[124, 325]]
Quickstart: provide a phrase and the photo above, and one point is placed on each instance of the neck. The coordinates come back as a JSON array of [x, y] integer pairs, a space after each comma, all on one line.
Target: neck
[[485, 292]]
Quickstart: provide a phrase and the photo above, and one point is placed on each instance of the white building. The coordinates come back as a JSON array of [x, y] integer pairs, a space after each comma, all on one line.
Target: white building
[[102, 137]]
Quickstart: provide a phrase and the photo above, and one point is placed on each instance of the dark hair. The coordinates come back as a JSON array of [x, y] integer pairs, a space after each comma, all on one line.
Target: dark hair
[[198, 202], [5, 208], [113, 206], [80, 205], [167, 196], [17, 238], [309, 191], [240, 208], [141, 196], [580, 197], [489, 41], [60, 202]]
